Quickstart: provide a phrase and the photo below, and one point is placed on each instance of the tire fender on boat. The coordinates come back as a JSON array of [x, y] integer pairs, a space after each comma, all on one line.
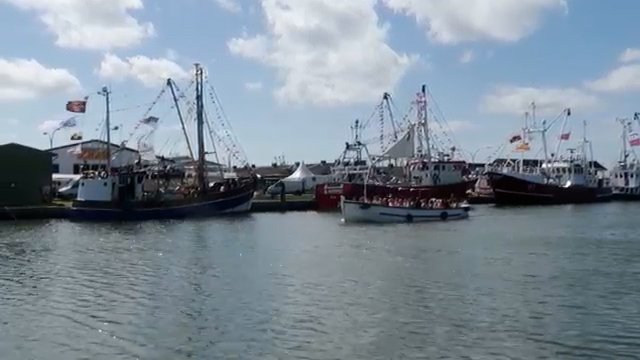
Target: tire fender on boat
[[409, 218], [444, 215]]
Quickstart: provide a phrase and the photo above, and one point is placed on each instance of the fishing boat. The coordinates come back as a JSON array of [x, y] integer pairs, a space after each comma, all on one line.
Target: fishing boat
[[625, 176], [135, 193], [556, 180], [389, 210], [409, 162]]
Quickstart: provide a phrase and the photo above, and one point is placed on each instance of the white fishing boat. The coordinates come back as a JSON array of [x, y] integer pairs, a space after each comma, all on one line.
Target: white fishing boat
[[411, 211], [625, 176]]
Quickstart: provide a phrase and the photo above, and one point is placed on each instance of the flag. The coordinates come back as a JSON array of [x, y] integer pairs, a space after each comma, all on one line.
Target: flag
[[515, 138], [76, 136], [565, 136], [116, 128], [634, 139], [150, 120], [77, 106], [523, 147], [568, 112], [69, 123]]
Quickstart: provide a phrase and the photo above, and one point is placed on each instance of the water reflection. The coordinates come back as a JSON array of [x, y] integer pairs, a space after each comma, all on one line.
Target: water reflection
[[500, 285]]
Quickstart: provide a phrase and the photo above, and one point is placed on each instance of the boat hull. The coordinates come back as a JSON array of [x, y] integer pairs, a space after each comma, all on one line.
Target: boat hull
[[512, 190], [234, 203], [361, 212], [626, 194], [328, 195]]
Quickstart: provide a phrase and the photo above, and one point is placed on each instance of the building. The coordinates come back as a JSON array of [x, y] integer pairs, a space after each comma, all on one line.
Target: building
[[188, 165], [26, 175], [69, 159]]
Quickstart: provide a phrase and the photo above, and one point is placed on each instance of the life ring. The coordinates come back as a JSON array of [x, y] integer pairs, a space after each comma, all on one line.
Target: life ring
[[103, 175], [444, 215], [409, 218]]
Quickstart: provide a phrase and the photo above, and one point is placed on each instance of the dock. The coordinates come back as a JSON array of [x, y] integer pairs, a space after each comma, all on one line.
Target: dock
[[59, 209], [54, 211]]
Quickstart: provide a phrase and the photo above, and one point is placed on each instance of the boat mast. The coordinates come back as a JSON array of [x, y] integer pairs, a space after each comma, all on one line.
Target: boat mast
[[624, 155], [425, 126], [200, 129], [107, 120], [182, 123]]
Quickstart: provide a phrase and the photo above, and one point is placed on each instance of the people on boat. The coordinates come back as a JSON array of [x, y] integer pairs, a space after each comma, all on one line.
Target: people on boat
[[412, 202]]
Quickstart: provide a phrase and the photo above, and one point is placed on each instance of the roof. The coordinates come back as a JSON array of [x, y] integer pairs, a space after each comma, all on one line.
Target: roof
[[89, 142], [301, 172], [25, 147], [188, 159]]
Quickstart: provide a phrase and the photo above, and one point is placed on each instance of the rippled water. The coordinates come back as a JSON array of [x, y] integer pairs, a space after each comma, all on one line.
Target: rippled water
[[558, 282]]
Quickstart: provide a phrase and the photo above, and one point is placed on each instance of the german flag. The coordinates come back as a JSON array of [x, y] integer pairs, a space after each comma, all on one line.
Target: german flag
[[77, 106]]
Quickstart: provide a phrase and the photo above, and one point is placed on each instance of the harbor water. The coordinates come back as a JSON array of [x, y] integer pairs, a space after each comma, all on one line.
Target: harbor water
[[526, 283]]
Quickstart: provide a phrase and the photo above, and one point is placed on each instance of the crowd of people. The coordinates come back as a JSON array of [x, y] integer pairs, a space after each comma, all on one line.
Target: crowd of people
[[416, 203]]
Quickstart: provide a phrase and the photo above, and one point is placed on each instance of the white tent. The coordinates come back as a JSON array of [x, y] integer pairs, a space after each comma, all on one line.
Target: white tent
[[302, 180], [301, 173]]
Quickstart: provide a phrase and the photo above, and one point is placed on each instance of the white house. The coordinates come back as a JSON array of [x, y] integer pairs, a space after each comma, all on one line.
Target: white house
[[69, 159]]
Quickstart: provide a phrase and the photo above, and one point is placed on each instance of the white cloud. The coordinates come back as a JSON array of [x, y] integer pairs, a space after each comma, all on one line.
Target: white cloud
[[467, 57], [326, 52], [229, 5], [90, 24], [253, 86], [516, 100], [22, 79], [622, 79], [11, 122], [629, 55], [459, 125], [48, 125], [150, 72], [454, 21]]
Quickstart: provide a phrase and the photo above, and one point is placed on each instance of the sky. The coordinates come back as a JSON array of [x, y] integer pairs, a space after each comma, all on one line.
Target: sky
[[293, 75]]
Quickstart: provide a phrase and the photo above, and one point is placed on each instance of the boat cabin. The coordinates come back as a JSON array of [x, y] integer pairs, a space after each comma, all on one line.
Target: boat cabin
[[625, 177], [442, 172], [570, 173]]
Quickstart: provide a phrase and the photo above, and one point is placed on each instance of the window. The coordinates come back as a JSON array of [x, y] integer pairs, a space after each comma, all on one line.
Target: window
[[76, 168], [55, 168]]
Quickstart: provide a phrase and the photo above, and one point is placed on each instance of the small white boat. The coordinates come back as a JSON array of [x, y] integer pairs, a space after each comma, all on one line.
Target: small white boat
[[360, 211]]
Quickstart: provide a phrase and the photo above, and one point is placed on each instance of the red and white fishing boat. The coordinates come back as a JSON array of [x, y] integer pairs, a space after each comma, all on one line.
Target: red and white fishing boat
[[410, 162]]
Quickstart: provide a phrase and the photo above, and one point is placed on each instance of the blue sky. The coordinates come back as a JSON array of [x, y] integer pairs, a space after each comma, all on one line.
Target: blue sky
[[292, 75]]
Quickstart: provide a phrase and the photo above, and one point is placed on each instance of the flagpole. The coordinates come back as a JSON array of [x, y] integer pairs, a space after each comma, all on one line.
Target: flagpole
[[105, 92]]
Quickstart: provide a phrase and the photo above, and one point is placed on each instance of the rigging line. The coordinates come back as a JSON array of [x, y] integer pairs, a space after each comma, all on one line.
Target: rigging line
[[373, 114], [437, 107], [146, 113], [218, 104], [222, 116], [131, 107]]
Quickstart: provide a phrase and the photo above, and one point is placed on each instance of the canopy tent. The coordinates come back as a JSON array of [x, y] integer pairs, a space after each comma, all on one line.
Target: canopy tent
[[301, 173]]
